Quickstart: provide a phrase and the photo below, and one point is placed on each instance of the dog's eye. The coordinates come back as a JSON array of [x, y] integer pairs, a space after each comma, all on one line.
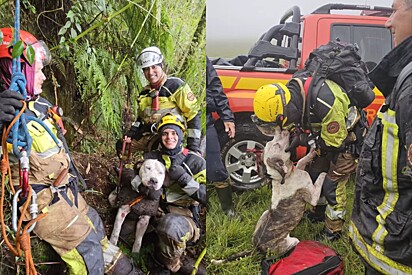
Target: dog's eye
[[281, 163], [148, 168]]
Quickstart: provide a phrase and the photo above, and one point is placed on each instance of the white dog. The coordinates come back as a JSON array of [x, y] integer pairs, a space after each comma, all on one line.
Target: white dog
[[145, 203], [292, 188]]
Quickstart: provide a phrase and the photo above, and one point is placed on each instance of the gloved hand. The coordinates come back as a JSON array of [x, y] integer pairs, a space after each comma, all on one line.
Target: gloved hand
[[298, 140], [193, 144], [200, 195], [178, 174], [9, 102]]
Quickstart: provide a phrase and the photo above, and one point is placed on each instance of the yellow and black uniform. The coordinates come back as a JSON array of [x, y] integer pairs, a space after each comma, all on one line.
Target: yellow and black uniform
[[329, 113], [176, 97], [181, 224], [381, 225], [71, 226]]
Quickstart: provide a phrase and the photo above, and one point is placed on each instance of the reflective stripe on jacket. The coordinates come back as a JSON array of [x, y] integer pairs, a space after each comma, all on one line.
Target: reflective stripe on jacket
[[381, 226]]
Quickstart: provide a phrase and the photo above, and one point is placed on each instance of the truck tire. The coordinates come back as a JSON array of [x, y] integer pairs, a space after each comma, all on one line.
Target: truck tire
[[241, 156]]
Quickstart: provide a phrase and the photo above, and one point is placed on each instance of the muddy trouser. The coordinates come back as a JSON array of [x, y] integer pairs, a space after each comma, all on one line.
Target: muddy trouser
[[75, 231], [175, 231], [334, 186]]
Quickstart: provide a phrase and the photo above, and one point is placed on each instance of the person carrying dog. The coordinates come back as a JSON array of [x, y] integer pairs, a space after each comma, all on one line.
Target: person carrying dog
[[71, 226], [381, 223], [187, 173], [163, 94], [318, 113], [216, 101]]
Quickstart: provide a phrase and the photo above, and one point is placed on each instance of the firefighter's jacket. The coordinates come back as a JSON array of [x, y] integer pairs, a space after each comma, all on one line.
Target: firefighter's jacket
[[328, 112], [71, 227], [193, 164], [216, 99], [47, 160], [175, 96], [381, 226]]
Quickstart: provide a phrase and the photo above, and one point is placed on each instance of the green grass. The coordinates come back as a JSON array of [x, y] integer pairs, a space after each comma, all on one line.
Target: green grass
[[226, 237]]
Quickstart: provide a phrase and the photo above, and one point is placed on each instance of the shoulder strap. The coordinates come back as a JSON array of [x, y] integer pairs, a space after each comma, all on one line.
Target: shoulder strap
[[303, 93], [407, 71], [396, 93]]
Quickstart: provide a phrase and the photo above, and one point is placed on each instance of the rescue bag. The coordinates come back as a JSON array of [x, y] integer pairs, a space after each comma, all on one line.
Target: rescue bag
[[341, 63], [307, 258]]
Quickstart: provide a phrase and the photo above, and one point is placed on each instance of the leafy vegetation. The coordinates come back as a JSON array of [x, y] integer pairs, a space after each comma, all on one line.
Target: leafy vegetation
[[226, 237], [94, 45]]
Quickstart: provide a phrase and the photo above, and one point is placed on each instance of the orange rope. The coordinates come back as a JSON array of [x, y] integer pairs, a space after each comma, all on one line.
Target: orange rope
[[136, 200], [22, 239]]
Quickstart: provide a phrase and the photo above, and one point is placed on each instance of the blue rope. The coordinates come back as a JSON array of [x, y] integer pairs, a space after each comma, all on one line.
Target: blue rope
[[20, 133]]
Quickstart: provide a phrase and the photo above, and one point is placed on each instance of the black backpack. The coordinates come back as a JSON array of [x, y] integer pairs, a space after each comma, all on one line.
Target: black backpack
[[341, 63]]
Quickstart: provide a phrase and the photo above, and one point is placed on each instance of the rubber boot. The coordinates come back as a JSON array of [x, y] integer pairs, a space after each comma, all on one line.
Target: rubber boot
[[317, 214], [123, 266], [332, 230], [224, 193]]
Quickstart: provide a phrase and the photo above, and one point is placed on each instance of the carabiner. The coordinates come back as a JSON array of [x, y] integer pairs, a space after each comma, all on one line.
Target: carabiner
[[33, 209], [24, 173]]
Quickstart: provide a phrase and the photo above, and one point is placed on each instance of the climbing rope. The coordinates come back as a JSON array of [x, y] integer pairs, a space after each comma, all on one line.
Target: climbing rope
[[22, 243], [18, 135]]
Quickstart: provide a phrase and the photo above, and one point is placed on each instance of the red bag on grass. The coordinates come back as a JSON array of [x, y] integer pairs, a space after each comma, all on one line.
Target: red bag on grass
[[307, 258]]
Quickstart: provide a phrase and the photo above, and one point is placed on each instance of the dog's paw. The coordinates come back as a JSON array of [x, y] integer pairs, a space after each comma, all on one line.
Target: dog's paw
[[136, 183], [113, 198]]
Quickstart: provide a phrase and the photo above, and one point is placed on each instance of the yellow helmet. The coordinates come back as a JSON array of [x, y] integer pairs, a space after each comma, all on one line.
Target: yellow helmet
[[169, 118], [270, 102]]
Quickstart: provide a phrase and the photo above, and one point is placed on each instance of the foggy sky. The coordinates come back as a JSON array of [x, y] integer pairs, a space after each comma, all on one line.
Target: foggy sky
[[232, 26]]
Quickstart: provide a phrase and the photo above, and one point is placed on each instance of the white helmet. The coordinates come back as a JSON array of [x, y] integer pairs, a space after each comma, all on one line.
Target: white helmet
[[149, 57]]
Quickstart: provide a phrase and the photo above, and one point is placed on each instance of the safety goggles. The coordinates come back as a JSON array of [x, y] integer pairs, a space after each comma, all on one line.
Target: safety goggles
[[270, 128]]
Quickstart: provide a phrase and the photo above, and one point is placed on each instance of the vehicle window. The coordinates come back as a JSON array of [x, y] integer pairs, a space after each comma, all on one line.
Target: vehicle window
[[374, 41]]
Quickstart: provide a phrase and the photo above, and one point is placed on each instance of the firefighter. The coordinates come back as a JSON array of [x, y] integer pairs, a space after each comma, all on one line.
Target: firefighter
[[187, 172], [71, 226], [381, 223], [216, 172], [288, 106], [162, 95]]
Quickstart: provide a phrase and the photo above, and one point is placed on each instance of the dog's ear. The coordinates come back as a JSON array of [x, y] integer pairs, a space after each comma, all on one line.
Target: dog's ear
[[137, 165]]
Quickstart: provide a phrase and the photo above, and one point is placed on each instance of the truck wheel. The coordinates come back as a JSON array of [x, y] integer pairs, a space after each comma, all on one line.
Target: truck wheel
[[243, 159]]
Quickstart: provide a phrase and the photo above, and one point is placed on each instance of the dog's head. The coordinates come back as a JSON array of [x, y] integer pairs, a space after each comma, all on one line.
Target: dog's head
[[277, 161], [152, 174]]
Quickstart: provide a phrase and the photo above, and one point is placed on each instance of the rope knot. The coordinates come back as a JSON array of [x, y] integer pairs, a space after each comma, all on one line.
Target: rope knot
[[25, 241], [18, 83]]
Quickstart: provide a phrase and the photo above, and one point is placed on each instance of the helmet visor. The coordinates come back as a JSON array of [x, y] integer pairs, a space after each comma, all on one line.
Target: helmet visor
[[266, 128], [42, 52]]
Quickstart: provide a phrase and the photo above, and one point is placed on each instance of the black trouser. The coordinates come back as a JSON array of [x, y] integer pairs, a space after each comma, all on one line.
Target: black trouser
[[215, 170]]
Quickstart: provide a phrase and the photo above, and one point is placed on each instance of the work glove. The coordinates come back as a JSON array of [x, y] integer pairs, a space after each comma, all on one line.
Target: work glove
[[178, 174], [9, 102], [200, 194], [298, 140], [193, 144]]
